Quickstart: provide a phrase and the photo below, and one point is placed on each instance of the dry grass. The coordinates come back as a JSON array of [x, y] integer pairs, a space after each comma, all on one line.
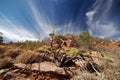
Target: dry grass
[[5, 63], [27, 57], [3, 49], [13, 53], [42, 49]]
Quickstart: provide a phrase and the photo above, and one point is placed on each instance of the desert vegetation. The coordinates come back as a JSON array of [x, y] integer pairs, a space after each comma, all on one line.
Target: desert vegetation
[[1, 38], [61, 57]]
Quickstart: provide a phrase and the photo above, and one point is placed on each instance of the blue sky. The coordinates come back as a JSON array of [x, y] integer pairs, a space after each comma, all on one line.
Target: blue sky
[[22, 20]]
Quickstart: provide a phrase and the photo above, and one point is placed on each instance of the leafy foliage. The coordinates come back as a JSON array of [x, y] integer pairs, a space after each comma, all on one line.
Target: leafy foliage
[[31, 45], [58, 37], [1, 39], [43, 48], [85, 38], [73, 51]]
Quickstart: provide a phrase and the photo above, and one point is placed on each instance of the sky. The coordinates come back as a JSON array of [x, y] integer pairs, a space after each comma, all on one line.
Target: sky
[[22, 20]]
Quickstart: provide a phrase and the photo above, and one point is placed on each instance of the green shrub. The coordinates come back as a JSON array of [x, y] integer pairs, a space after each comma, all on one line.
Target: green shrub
[[73, 51], [87, 53], [31, 45], [85, 38], [1, 39], [59, 36], [43, 48]]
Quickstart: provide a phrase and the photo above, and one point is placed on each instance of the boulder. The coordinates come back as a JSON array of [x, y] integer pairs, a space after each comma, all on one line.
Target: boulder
[[3, 71], [43, 67], [47, 67], [20, 65], [95, 54]]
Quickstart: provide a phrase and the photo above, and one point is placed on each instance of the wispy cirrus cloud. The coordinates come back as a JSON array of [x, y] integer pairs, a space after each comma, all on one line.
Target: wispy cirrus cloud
[[43, 24], [14, 31], [97, 19]]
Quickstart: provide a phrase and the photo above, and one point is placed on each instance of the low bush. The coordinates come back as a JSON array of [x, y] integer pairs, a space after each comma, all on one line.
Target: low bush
[[28, 57], [1, 39], [13, 53], [73, 51], [43, 48], [5, 63], [85, 39], [59, 37], [32, 45], [2, 50]]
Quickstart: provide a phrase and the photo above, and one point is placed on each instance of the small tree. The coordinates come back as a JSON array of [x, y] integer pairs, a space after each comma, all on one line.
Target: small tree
[[58, 38], [85, 38], [1, 38]]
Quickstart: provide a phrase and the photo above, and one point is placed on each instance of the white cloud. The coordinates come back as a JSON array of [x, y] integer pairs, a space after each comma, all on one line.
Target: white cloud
[[41, 22], [14, 31], [107, 29], [90, 15], [97, 19]]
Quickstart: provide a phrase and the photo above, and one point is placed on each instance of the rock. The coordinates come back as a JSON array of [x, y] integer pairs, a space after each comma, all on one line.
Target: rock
[[16, 70], [95, 54], [98, 61], [20, 65], [3, 70], [80, 64], [47, 67], [44, 67], [9, 76]]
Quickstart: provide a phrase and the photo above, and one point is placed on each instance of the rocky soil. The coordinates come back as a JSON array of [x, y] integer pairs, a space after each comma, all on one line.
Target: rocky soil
[[60, 63]]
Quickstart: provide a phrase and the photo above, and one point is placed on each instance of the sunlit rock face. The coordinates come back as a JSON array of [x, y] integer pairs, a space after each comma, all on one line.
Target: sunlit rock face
[[35, 19]]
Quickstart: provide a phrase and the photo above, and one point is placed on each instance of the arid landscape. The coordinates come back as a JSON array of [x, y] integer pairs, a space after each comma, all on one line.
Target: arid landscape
[[59, 39], [61, 57]]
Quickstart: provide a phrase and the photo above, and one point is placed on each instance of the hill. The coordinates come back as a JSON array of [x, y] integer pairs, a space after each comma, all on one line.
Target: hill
[[61, 57]]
